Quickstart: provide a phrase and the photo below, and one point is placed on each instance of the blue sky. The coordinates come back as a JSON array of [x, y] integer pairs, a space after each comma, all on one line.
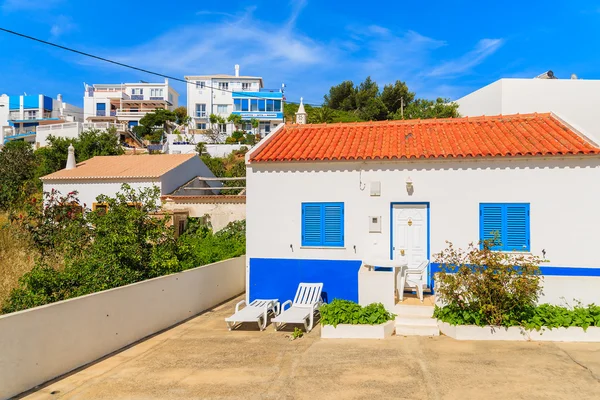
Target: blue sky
[[440, 48]]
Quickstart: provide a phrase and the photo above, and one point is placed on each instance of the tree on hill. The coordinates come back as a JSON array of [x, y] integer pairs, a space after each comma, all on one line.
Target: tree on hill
[[154, 124], [366, 102]]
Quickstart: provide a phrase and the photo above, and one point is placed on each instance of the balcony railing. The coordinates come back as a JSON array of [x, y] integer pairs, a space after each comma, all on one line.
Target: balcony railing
[[113, 113], [200, 114], [157, 98], [55, 127], [100, 113], [137, 97]]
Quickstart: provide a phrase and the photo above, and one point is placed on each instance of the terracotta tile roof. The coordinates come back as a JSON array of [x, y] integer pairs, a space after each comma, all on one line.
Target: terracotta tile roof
[[509, 135], [125, 166]]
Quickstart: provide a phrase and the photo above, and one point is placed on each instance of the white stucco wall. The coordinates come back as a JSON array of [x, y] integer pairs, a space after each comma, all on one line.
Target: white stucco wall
[[89, 190], [221, 212], [574, 100], [69, 130], [562, 195], [563, 202], [42, 343]]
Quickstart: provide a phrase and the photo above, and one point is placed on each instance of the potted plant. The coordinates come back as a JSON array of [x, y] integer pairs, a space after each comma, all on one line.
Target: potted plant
[[346, 319]]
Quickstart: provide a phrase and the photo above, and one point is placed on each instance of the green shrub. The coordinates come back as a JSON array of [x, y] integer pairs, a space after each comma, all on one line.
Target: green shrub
[[200, 246], [537, 317], [348, 312], [112, 247], [486, 287]]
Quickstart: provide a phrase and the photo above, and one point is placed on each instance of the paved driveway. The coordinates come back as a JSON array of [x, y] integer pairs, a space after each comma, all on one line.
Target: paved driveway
[[200, 359]]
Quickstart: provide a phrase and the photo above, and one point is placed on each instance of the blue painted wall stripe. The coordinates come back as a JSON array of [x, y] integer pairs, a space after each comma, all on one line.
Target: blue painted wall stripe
[[548, 270], [278, 278]]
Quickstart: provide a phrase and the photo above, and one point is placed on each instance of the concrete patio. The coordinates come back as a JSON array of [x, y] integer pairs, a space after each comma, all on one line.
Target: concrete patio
[[200, 359]]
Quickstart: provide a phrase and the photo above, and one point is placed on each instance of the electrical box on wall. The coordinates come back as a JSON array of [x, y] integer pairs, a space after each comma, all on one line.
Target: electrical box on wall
[[376, 188], [375, 224]]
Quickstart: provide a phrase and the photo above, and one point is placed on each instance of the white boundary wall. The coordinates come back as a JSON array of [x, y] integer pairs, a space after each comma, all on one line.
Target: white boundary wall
[[42, 343]]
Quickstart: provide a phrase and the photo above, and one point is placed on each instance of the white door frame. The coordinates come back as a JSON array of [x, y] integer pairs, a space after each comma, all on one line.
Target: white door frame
[[428, 227]]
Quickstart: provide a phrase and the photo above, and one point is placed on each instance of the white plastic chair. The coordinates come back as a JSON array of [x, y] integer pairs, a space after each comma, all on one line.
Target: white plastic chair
[[257, 311], [414, 278], [302, 310]]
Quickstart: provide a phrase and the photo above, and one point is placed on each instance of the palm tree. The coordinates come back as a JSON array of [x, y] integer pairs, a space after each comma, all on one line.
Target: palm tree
[[322, 115]]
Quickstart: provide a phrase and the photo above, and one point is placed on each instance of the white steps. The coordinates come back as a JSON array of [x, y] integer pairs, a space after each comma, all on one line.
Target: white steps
[[415, 321]]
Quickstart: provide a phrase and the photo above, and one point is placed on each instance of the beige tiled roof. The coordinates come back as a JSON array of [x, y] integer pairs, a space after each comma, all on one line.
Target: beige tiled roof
[[125, 166]]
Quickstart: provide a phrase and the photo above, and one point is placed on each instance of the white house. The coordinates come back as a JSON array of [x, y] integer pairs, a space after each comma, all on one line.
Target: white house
[[127, 102], [106, 174], [224, 95], [25, 113], [323, 198], [576, 100]]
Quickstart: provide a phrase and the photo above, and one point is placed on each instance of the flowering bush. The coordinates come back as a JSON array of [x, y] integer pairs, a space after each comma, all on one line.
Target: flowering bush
[[484, 287]]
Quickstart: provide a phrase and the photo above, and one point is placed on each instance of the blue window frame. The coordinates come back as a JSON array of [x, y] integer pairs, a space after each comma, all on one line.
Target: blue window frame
[[244, 104], [270, 106], [237, 104], [254, 105], [277, 105], [510, 221], [323, 224], [261, 105]]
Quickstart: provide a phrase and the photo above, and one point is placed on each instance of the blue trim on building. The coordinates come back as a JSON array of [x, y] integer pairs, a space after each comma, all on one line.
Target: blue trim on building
[[270, 115], [262, 95], [31, 102], [48, 106], [278, 278], [548, 270], [423, 203]]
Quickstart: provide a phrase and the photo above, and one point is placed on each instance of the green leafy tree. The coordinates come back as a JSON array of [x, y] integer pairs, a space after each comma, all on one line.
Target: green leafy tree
[[89, 144], [236, 120], [17, 166], [342, 97], [366, 91], [154, 124], [373, 110], [421, 108], [255, 124], [393, 96], [320, 115], [201, 148], [181, 116]]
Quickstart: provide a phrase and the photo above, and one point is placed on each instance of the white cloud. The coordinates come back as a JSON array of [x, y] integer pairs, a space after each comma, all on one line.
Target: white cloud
[[62, 25], [284, 53], [21, 5], [464, 64]]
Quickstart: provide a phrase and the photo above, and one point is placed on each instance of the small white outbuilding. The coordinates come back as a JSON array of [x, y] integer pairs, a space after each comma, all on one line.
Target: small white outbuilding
[[106, 174]]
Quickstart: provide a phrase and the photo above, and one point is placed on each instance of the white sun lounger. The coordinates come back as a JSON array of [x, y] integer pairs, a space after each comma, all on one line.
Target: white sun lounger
[[257, 311], [302, 310]]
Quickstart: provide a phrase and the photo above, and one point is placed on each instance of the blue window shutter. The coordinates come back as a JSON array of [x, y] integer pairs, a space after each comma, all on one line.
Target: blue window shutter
[[490, 222], [311, 224], [333, 224], [517, 227]]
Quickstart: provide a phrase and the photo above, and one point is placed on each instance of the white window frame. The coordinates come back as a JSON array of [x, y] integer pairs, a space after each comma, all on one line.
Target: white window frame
[[223, 85], [246, 85], [156, 92], [201, 125], [137, 91], [220, 109], [200, 84], [222, 128], [196, 112]]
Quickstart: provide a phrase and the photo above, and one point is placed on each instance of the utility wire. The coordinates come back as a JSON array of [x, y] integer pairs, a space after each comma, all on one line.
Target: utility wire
[[128, 65]]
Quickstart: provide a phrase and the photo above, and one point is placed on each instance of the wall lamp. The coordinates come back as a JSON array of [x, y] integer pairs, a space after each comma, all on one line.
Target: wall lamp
[[409, 185]]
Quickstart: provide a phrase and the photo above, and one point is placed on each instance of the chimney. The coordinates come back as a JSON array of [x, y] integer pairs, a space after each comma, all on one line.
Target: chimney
[[59, 97], [71, 158], [237, 70], [301, 114]]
